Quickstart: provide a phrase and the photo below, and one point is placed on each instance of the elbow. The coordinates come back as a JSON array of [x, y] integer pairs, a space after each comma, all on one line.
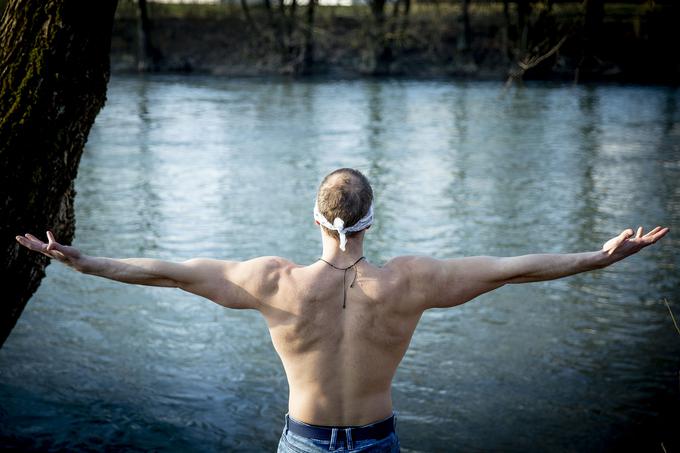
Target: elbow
[[505, 272]]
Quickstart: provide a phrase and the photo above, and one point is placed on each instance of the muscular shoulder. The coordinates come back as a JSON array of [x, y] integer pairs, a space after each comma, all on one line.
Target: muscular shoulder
[[263, 274], [269, 263], [412, 267], [411, 276], [449, 282]]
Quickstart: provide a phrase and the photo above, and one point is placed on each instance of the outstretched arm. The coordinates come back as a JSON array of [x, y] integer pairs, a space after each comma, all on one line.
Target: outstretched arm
[[223, 282], [446, 283]]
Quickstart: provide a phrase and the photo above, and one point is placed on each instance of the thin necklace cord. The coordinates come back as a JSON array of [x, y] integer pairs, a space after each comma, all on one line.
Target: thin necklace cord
[[344, 277]]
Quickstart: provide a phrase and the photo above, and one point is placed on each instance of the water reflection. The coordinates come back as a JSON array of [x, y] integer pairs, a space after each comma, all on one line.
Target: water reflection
[[179, 167]]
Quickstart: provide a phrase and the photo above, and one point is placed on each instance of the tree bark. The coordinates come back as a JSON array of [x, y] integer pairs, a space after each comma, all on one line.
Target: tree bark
[[593, 17], [405, 16], [148, 57], [379, 45], [465, 41], [395, 9], [54, 68], [276, 28], [378, 10], [308, 57], [506, 29], [249, 18], [292, 23], [523, 12]]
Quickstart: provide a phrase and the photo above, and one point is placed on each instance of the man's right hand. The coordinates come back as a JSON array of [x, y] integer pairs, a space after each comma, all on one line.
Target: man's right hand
[[628, 243], [70, 256]]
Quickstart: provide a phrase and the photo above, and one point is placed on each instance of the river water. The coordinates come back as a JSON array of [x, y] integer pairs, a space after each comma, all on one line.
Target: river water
[[178, 167]]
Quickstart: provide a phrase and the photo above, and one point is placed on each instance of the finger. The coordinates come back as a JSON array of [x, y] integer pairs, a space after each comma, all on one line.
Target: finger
[[653, 232], [37, 242], [25, 242], [53, 245], [32, 245], [618, 240], [661, 233], [650, 238], [638, 235], [614, 242]]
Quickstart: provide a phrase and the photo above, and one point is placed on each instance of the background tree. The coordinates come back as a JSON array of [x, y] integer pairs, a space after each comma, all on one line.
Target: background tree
[[148, 56], [54, 68], [466, 38], [379, 48], [308, 53], [523, 13], [249, 18], [505, 31], [593, 17]]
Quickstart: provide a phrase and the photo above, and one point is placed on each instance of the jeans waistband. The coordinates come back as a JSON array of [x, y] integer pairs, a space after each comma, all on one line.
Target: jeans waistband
[[377, 430]]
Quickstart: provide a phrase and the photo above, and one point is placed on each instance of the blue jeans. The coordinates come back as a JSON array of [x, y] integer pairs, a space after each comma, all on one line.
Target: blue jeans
[[293, 443]]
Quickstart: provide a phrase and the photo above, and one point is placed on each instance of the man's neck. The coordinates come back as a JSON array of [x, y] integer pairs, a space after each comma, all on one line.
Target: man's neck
[[354, 249]]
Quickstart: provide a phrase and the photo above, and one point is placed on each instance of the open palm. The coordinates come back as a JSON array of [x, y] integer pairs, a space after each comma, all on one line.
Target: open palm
[[63, 253], [629, 242]]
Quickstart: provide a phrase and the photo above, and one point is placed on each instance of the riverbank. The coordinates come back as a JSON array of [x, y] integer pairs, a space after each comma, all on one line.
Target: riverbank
[[634, 44]]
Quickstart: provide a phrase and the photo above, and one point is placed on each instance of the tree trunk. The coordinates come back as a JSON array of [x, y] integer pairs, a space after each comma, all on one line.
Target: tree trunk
[[593, 16], [275, 27], [405, 16], [465, 41], [148, 57], [308, 57], [380, 46], [378, 10], [523, 12], [54, 67], [293, 18], [283, 26], [395, 9], [506, 29], [249, 18]]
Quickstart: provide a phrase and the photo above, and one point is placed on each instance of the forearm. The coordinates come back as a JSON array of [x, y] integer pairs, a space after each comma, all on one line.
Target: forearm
[[139, 271], [535, 268]]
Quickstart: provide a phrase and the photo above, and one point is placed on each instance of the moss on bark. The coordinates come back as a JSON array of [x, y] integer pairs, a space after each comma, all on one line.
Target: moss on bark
[[54, 68]]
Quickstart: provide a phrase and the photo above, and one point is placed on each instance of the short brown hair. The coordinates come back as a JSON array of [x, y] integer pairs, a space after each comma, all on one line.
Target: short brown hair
[[344, 193]]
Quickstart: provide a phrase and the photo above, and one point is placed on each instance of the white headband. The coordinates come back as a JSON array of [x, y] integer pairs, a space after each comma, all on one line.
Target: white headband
[[339, 225]]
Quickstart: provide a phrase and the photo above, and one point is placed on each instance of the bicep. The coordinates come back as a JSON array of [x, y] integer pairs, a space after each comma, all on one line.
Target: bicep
[[223, 282], [451, 282]]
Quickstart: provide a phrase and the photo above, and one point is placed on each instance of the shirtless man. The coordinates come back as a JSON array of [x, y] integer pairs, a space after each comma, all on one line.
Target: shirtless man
[[342, 325]]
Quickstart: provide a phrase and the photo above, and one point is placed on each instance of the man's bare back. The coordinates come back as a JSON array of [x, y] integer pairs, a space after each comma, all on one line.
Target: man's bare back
[[340, 362], [342, 334]]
